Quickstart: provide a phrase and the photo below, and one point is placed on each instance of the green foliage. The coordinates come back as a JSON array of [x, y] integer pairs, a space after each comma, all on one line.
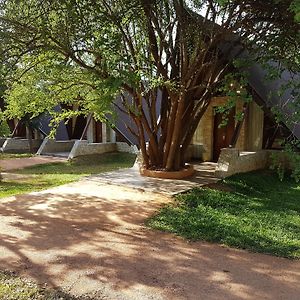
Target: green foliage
[[295, 7], [86, 52], [287, 162], [253, 211], [234, 87], [42, 82], [100, 46], [4, 129]]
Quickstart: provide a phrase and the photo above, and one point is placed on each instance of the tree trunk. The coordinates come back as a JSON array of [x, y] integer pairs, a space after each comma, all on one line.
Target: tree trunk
[[164, 146]]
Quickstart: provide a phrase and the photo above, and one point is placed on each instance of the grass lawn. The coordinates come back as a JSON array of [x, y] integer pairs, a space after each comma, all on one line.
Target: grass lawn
[[14, 288], [48, 175], [253, 211]]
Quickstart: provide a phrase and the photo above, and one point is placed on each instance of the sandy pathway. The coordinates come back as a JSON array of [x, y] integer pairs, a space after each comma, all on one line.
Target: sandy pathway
[[89, 237], [23, 162]]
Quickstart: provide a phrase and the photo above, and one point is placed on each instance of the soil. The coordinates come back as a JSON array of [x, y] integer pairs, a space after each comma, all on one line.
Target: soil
[[90, 238], [20, 163]]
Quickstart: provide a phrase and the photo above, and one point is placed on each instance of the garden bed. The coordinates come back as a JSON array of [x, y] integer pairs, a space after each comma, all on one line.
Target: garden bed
[[188, 171]]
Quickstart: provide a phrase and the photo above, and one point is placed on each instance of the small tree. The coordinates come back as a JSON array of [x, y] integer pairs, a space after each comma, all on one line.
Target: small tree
[[178, 49]]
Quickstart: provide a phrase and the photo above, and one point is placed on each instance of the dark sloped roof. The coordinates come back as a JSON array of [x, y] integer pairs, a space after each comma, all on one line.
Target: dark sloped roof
[[267, 93]]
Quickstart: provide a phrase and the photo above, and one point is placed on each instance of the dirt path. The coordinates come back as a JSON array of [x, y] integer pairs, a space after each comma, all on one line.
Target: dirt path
[[89, 237], [20, 163]]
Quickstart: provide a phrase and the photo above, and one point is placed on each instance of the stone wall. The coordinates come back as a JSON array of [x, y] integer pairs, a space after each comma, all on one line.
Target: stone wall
[[84, 148], [53, 146], [124, 147], [17, 145], [232, 161]]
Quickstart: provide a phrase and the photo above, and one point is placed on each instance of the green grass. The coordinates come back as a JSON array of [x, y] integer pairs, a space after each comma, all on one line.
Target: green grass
[[15, 288], [48, 175], [253, 211]]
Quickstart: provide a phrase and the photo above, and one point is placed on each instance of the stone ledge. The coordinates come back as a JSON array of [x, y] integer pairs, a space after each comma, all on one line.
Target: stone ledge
[[81, 148], [53, 146], [185, 173], [232, 161], [124, 147], [18, 145]]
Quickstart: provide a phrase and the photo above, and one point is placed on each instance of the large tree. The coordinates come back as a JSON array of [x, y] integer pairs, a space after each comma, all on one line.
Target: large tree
[[180, 50]]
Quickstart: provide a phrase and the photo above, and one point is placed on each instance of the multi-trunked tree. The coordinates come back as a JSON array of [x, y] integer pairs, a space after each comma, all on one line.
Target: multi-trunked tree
[[166, 58]]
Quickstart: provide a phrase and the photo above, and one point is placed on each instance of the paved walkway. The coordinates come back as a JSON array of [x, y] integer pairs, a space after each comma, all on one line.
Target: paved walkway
[[20, 163], [89, 237], [204, 175]]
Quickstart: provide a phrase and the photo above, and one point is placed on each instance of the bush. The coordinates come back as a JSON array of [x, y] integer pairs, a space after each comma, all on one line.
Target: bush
[[288, 163], [4, 129]]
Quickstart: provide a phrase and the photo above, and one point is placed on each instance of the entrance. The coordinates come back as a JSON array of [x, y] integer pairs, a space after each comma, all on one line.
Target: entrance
[[222, 136]]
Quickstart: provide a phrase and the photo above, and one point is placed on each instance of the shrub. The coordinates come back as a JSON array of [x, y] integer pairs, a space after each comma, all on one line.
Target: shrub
[[287, 162]]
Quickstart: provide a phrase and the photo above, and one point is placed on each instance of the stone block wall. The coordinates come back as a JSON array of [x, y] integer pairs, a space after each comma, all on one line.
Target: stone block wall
[[84, 148], [17, 145], [232, 161], [124, 147], [53, 146]]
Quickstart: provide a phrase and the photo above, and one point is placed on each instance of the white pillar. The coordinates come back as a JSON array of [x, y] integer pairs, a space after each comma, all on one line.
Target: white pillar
[[90, 132], [112, 136], [104, 133]]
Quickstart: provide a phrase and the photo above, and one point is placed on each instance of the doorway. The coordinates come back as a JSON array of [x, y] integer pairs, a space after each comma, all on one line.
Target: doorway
[[222, 135]]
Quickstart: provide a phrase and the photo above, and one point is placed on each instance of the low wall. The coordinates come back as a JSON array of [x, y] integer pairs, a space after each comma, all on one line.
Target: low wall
[[232, 161], [17, 145], [124, 147], [84, 148], [53, 146]]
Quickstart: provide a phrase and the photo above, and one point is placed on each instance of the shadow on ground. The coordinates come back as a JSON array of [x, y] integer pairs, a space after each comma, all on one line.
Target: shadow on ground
[[91, 238]]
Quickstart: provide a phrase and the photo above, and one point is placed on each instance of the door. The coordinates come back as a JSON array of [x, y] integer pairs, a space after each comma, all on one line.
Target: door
[[98, 132], [222, 134]]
